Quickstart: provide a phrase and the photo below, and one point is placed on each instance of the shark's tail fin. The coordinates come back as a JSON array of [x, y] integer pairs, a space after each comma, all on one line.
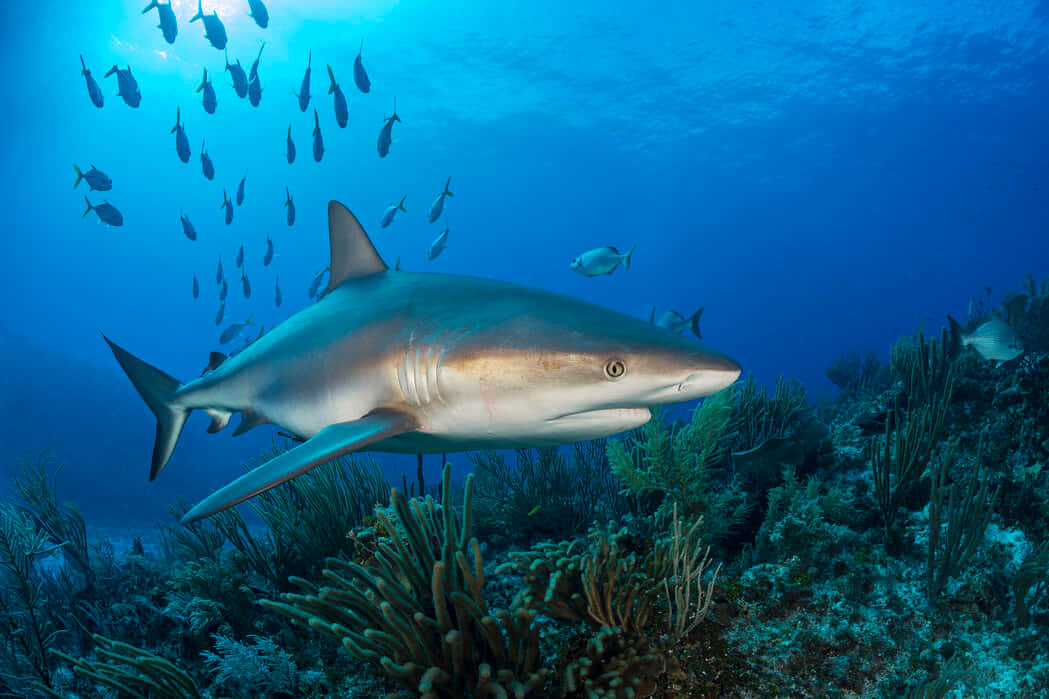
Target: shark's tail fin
[[626, 258], [200, 12], [157, 389], [693, 323], [79, 176]]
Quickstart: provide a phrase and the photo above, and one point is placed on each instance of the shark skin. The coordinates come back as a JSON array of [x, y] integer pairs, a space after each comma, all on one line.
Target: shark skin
[[407, 362]]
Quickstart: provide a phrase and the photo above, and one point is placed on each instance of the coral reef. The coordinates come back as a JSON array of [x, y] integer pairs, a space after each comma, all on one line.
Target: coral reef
[[891, 542]]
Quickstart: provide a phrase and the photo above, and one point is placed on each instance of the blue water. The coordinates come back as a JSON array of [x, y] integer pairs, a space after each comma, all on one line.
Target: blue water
[[820, 177]]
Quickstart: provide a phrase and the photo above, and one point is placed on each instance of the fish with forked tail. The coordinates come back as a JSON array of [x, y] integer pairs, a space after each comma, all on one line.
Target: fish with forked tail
[[93, 90], [994, 340], [601, 261], [214, 29]]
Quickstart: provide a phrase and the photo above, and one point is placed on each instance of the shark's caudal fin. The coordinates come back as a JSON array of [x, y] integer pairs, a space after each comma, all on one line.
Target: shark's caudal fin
[[157, 389], [352, 252], [330, 443]]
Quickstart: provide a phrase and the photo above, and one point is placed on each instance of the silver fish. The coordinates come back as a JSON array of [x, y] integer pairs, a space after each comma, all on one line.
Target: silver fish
[[196, 287], [316, 284], [214, 29], [168, 25], [240, 78], [342, 112], [93, 90], [675, 322], [994, 340], [228, 206], [318, 140], [304, 90], [291, 207], [268, 257], [360, 76], [276, 288], [106, 212], [438, 204], [439, 244], [205, 162], [601, 261], [222, 312], [240, 256], [290, 151], [127, 86], [391, 211], [386, 133], [245, 284], [210, 100], [233, 330], [97, 181], [181, 141], [187, 227]]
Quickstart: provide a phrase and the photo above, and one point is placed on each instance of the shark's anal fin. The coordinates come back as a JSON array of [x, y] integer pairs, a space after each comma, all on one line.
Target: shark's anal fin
[[330, 443]]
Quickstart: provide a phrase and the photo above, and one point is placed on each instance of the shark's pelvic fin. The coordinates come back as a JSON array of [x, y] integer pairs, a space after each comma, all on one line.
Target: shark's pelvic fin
[[157, 389], [352, 252], [330, 443], [249, 419]]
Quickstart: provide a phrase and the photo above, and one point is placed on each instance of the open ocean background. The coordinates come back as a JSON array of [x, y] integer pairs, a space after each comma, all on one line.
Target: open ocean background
[[820, 177]]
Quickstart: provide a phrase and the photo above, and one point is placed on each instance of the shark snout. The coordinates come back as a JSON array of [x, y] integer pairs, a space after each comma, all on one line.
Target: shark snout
[[717, 373]]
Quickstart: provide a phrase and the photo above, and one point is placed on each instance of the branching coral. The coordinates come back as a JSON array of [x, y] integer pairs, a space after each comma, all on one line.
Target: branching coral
[[131, 671], [420, 612], [614, 666], [663, 459], [758, 418], [27, 631], [544, 494]]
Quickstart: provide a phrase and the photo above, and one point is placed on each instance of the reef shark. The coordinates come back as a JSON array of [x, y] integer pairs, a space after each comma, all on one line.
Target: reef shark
[[410, 362]]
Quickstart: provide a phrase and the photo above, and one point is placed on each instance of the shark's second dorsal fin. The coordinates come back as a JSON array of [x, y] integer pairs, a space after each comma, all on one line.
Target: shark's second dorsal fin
[[352, 252]]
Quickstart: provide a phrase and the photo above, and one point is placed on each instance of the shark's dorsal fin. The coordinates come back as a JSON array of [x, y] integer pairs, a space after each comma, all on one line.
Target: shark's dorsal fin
[[352, 252]]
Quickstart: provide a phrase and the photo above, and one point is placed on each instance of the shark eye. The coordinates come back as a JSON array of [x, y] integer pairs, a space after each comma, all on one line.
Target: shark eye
[[615, 369]]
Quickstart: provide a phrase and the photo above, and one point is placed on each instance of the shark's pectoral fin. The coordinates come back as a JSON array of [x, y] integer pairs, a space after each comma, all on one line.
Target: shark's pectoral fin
[[330, 443]]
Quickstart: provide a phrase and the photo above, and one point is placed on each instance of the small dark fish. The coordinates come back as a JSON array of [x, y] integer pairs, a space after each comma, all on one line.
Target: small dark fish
[[254, 72], [268, 257], [181, 141], [360, 76], [240, 256], [438, 204], [259, 13], [291, 207], [290, 154], [93, 90], [391, 211], [386, 134], [188, 228], [96, 179], [255, 92], [205, 162], [240, 79], [127, 86], [223, 290], [106, 212], [233, 330], [304, 89], [228, 206], [277, 298], [342, 113], [318, 140], [214, 29], [218, 273], [210, 100], [222, 312], [245, 284], [240, 189], [196, 287], [316, 285], [168, 25]]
